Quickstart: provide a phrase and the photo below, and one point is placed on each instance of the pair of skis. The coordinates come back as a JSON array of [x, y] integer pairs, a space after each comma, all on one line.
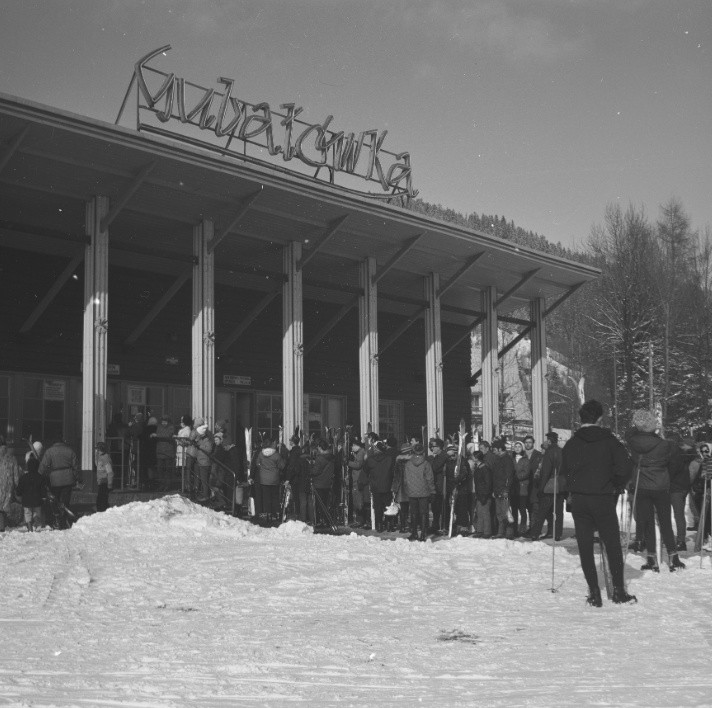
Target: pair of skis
[[462, 433]]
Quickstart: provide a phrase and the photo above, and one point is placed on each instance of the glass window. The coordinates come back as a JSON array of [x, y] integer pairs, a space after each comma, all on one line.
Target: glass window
[[43, 408], [4, 405], [390, 414], [269, 414]]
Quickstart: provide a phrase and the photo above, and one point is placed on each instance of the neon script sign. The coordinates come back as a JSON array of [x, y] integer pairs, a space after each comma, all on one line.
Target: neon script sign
[[278, 133]]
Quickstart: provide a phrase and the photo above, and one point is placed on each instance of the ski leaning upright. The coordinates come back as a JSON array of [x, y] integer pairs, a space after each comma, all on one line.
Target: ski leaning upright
[[458, 466]]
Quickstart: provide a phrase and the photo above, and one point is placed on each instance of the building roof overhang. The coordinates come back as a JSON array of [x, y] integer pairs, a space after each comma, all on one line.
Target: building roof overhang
[[53, 162]]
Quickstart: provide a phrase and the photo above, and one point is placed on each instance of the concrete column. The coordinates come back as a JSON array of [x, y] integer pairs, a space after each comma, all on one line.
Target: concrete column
[[203, 332], [433, 359], [540, 390], [292, 342], [368, 345], [96, 326], [490, 366]]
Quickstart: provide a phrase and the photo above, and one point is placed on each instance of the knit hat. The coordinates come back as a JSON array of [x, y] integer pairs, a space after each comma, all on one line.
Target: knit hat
[[554, 437], [152, 421], [198, 422], [406, 449], [418, 449]]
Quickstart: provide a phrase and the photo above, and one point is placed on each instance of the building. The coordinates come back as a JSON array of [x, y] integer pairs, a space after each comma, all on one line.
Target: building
[[144, 270]]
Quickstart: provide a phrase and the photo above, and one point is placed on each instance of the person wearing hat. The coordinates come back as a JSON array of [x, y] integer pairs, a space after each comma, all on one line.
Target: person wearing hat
[[379, 468], [269, 466], [419, 486], [322, 476], [32, 489], [653, 458], [400, 496], [104, 476], [204, 442], [438, 461], [549, 468], [361, 492]]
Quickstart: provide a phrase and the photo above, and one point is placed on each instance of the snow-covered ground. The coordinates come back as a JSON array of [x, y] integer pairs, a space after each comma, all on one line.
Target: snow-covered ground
[[165, 603]]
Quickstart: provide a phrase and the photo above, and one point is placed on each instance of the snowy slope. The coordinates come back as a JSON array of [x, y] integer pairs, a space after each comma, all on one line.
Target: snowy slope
[[166, 603]]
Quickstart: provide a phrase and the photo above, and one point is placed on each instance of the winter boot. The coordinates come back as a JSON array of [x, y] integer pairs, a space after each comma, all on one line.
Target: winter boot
[[594, 597], [620, 596], [681, 546], [652, 564], [676, 563]]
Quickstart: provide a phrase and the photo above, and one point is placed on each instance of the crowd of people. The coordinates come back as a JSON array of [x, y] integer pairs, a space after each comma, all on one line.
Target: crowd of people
[[498, 489]]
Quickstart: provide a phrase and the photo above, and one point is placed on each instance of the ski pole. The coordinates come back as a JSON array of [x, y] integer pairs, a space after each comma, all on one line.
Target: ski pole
[[553, 535]]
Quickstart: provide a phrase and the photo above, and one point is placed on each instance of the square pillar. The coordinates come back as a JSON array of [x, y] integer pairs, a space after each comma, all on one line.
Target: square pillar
[[203, 329], [292, 341], [490, 366], [95, 330], [433, 358], [540, 390], [368, 345]]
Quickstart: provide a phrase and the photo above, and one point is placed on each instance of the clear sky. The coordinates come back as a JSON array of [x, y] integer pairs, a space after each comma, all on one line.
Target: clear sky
[[542, 111]]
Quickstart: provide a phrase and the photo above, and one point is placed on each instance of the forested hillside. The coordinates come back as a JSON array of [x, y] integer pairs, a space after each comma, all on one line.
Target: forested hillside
[[653, 302]]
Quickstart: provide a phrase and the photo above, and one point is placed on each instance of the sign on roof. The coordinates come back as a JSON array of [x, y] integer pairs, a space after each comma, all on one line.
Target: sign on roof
[[217, 119]]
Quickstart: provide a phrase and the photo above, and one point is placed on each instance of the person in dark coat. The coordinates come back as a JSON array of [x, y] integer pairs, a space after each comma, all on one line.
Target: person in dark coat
[[502, 477], [535, 457], [550, 467], [457, 477], [438, 460], [322, 473], [597, 467], [32, 489], [682, 455], [653, 458], [520, 496], [379, 465], [482, 474]]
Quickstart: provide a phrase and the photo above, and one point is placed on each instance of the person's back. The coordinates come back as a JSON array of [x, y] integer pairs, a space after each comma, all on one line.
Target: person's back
[[32, 487], [595, 462], [651, 455], [59, 463]]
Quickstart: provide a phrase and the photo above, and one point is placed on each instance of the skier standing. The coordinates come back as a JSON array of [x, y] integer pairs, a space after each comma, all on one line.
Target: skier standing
[[597, 467]]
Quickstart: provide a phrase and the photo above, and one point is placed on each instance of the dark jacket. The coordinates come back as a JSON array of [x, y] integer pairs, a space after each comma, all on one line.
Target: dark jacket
[[595, 462], [323, 470], [438, 462], [269, 465], [483, 481], [32, 487], [534, 461], [523, 473], [60, 463], [679, 470], [418, 478], [205, 445], [358, 467], [550, 465], [502, 475], [380, 470], [651, 459]]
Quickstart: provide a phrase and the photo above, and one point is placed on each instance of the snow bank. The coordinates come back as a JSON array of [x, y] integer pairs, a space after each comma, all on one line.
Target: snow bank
[[175, 512]]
